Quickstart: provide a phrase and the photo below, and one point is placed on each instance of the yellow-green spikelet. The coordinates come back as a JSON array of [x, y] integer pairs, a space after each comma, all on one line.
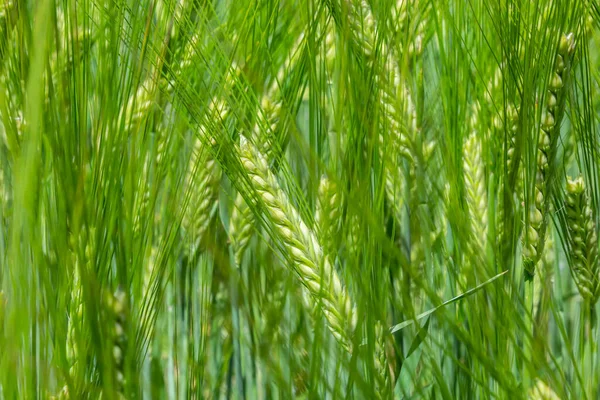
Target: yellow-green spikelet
[[328, 214], [511, 127], [241, 226], [583, 241], [120, 310], [544, 279], [385, 377], [138, 106], [475, 188], [542, 295], [202, 182], [311, 266], [73, 351], [535, 237], [269, 117], [204, 176]]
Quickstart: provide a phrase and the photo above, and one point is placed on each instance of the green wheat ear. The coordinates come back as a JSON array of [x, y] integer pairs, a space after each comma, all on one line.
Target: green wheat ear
[[203, 178], [73, 351], [119, 311], [241, 226], [583, 241], [547, 144], [544, 279], [385, 376], [328, 214], [511, 125], [311, 266], [476, 189], [138, 106], [269, 117], [202, 183]]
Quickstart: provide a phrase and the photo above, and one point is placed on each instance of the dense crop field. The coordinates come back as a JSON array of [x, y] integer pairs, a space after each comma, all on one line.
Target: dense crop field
[[312, 199]]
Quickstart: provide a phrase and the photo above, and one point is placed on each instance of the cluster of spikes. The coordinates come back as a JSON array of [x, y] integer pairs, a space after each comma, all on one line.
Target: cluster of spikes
[[310, 249]]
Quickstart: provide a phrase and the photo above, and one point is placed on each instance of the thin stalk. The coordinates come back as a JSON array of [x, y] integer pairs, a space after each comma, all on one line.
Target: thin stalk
[[235, 321], [528, 333], [583, 350], [589, 346], [593, 347]]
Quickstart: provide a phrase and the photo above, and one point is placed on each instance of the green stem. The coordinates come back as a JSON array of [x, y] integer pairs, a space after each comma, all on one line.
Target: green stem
[[590, 349], [528, 334], [584, 350], [593, 347]]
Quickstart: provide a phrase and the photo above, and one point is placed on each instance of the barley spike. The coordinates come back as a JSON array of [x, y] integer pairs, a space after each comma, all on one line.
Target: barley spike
[[583, 241], [547, 144], [313, 269]]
